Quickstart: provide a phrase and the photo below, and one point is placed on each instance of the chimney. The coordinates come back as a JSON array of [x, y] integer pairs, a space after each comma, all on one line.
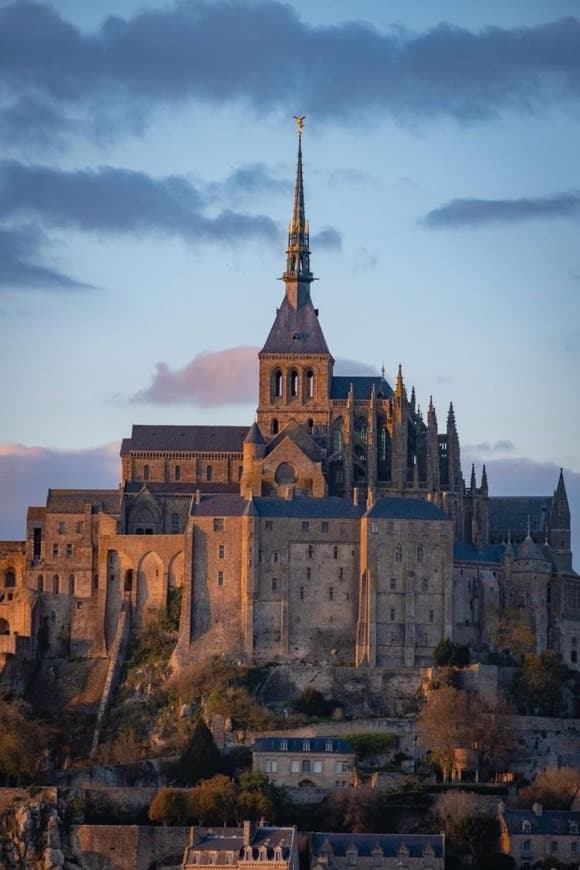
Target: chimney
[[356, 495], [248, 832], [289, 493], [198, 496]]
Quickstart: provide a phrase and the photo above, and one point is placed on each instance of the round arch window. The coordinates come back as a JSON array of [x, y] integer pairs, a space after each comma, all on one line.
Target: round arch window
[[285, 473]]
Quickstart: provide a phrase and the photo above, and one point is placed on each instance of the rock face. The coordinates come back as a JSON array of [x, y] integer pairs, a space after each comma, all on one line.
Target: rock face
[[30, 832]]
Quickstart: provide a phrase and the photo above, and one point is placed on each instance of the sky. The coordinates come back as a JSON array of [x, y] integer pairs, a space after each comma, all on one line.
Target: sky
[[147, 158]]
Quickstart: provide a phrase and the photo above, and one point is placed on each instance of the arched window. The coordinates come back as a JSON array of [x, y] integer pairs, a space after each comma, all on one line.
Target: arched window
[[419, 553], [145, 472], [40, 583], [337, 439], [277, 383], [274, 427], [71, 584], [208, 473], [174, 524], [310, 425], [309, 384], [10, 580], [56, 584], [398, 553], [177, 472], [293, 383], [362, 429]]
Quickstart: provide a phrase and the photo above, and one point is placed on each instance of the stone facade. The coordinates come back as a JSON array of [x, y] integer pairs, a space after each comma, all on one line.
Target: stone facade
[[337, 527], [306, 762], [375, 851], [531, 836]]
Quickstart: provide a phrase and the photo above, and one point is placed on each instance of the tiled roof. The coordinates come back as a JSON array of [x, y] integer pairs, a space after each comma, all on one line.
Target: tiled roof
[[463, 552], [549, 822], [307, 508], [296, 744], [189, 439], [296, 331], [389, 843], [406, 509], [220, 506], [73, 501], [362, 387], [510, 513]]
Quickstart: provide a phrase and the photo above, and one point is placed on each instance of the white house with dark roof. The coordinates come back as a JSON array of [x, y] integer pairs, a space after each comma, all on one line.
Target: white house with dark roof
[[377, 851], [531, 836], [305, 762], [253, 847]]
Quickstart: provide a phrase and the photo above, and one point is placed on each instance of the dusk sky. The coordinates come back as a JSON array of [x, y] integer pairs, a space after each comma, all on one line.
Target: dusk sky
[[147, 158]]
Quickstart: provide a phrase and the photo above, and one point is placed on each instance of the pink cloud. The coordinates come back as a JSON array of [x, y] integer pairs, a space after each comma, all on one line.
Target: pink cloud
[[26, 473]]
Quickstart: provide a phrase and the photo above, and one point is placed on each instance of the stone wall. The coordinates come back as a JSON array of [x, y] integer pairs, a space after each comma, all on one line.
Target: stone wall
[[126, 847]]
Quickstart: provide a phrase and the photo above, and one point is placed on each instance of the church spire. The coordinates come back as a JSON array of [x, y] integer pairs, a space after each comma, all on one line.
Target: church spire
[[298, 276]]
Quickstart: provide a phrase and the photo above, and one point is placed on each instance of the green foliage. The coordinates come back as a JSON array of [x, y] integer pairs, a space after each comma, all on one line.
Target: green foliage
[[201, 758], [449, 654], [537, 689], [366, 745], [170, 806], [313, 703], [467, 826]]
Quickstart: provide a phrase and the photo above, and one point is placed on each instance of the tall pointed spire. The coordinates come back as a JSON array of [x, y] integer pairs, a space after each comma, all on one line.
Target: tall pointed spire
[[298, 276], [400, 386]]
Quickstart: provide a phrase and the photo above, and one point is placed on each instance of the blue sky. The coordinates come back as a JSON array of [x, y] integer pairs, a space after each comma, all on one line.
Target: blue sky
[[146, 165]]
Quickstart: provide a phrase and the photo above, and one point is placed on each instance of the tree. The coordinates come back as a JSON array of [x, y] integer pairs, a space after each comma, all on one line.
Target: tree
[[554, 789], [201, 758], [170, 807], [513, 634], [449, 654], [257, 797], [538, 685], [466, 823], [454, 719], [214, 801], [313, 703]]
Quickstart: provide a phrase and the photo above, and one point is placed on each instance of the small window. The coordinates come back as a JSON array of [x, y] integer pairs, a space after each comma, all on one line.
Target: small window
[[177, 472], [302, 593], [308, 573], [306, 767], [331, 593], [55, 551], [284, 745], [274, 427], [324, 527], [274, 584], [40, 583], [275, 556], [526, 826], [10, 579], [317, 767], [61, 528], [294, 767], [392, 614], [554, 847], [221, 551], [374, 528], [431, 616], [220, 578], [341, 573], [398, 553], [342, 766], [218, 524], [574, 657], [305, 526], [80, 527], [335, 552], [310, 551], [268, 525], [174, 524], [277, 383], [56, 584], [310, 384], [526, 845], [69, 550], [419, 553], [293, 383], [145, 472], [71, 584], [328, 746], [306, 746], [393, 583], [208, 473], [425, 584]]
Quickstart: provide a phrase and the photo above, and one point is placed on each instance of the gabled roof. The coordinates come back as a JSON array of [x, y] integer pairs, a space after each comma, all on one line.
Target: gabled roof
[[548, 822], [510, 513], [362, 387], [220, 506], [325, 745], [73, 501], [406, 509], [298, 434], [296, 331], [187, 439], [307, 508]]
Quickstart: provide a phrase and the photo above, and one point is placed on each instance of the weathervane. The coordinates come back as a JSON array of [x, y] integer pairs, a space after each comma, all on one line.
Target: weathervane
[[300, 121]]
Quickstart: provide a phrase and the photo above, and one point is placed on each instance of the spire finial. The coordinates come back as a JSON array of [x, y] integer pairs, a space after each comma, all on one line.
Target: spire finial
[[383, 371], [529, 527], [399, 388], [300, 123], [298, 254]]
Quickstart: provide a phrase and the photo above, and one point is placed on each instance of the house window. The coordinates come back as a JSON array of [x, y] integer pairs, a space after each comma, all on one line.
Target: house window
[[306, 746], [145, 472], [293, 383], [342, 766], [419, 553], [277, 383], [342, 783], [55, 551], [392, 614], [208, 473], [220, 578], [425, 584], [274, 584], [341, 573], [294, 767], [398, 553], [174, 524], [308, 573], [574, 656], [305, 526], [10, 579], [218, 524], [335, 552], [431, 616], [310, 384], [393, 583], [61, 528], [328, 746], [221, 551], [177, 472], [324, 527], [310, 551], [526, 826], [284, 745], [317, 767], [69, 550], [554, 847], [302, 593], [574, 845], [270, 765], [275, 556], [274, 427], [374, 528], [526, 845], [305, 765], [40, 583], [71, 584], [330, 593], [268, 525], [56, 584], [80, 527]]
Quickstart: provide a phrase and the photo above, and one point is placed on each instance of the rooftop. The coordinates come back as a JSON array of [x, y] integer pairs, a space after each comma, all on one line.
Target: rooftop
[[325, 745], [189, 439]]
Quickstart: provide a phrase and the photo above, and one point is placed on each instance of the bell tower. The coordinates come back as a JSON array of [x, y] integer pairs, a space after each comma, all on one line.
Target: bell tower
[[295, 363]]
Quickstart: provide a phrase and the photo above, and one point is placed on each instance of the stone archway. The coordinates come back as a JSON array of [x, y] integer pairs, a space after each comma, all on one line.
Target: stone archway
[[4, 626], [151, 592]]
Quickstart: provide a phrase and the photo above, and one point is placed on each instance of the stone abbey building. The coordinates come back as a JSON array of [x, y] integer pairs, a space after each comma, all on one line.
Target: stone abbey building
[[336, 527]]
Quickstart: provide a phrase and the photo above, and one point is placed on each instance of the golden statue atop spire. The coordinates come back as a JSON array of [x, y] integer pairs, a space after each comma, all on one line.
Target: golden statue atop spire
[[300, 121]]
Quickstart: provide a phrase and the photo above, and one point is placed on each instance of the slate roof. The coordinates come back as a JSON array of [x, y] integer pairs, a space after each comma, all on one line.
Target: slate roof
[[512, 512], [224, 840], [307, 508], [296, 744], [362, 387], [463, 552], [528, 549], [73, 501], [220, 506], [406, 509], [296, 331], [188, 439], [175, 487], [549, 822], [389, 843]]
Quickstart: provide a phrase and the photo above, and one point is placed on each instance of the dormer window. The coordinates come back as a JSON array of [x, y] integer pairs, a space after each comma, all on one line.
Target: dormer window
[[284, 745], [306, 746], [263, 852], [278, 853], [248, 853], [328, 746], [526, 826]]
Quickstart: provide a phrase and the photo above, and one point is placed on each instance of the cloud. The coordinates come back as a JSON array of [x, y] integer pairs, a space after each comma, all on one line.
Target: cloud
[[20, 263], [513, 476], [212, 378], [345, 367], [110, 200], [328, 238], [27, 473], [365, 260], [504, 445], [479, 212], [258, 54], [251, 179]]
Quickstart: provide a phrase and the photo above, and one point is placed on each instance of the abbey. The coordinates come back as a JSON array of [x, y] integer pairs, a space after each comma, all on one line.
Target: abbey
[[336, 527]]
